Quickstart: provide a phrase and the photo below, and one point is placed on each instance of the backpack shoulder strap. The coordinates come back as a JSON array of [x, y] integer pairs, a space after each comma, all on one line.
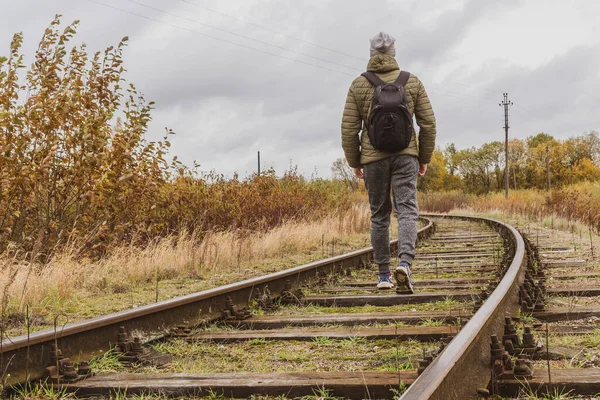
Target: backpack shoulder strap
[[402, 78], [374, 79]]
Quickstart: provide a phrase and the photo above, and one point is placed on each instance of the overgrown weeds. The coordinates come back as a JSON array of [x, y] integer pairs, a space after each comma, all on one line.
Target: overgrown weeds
[[567, 206], [41, 391], [217, 258], [88, 205], [77, 173]]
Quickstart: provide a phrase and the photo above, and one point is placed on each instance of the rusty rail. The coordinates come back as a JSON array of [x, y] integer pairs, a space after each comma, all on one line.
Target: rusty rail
[[25, 358], [464, 365]]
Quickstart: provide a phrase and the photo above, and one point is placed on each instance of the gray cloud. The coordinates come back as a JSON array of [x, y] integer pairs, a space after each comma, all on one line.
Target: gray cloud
[[227, 102], [558, 98], [430, 43]]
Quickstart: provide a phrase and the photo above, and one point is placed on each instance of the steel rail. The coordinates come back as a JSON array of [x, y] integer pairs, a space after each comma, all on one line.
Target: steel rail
[[25, 358], [464, 365]]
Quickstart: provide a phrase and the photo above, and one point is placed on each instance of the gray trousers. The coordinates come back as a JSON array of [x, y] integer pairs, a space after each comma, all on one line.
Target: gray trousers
[[398, 174]]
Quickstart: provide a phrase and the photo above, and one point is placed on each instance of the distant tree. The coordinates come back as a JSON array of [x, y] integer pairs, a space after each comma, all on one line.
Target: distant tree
[[586, 146], [450, 158], [481, 168], [517, 163], [469, 169], [540, 138], [492, 155], [585, 170], [436, 177], [343, 172]]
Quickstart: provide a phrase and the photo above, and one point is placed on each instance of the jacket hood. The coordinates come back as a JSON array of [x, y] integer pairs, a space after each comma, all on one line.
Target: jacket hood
[[382, 63]]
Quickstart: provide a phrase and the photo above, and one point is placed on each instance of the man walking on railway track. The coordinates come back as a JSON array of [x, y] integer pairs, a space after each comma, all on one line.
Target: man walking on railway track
[[382, 102]]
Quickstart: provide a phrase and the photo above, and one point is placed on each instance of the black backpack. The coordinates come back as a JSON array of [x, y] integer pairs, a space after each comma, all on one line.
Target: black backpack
[[390, 123]]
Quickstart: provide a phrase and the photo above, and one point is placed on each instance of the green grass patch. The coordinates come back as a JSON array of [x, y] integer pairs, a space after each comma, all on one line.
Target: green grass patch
[[320, 354]]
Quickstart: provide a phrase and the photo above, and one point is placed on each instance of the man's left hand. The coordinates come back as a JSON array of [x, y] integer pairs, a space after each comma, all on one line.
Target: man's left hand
[[358, 172]]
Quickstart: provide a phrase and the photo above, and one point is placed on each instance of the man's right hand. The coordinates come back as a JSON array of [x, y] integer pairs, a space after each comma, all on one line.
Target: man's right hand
[[422, 169], [358, 172]]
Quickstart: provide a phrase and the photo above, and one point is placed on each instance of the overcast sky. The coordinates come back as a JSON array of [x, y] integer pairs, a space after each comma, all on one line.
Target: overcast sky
[[233, 77]]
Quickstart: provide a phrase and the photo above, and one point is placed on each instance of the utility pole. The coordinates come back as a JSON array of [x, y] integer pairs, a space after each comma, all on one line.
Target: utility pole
[[259, 163], [506, 103], [547, 168]]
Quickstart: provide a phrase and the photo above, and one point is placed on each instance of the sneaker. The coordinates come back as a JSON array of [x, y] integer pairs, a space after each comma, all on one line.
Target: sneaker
[[385, 281], [404, 278]]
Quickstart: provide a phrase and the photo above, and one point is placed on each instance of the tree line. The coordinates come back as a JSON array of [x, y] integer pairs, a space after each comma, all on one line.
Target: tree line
[[534, 163]]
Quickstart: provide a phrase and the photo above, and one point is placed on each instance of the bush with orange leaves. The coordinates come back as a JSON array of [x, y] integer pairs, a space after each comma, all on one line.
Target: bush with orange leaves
[[75, 167], [579, 202]]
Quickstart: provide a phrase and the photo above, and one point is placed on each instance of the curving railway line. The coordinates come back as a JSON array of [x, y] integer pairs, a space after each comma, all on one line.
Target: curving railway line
[[472, 329]]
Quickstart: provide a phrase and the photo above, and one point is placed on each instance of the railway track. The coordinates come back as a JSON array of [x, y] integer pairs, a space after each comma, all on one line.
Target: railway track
[[471, 330]]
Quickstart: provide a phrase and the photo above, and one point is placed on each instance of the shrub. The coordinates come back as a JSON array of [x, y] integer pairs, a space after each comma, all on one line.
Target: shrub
[[75, 167]]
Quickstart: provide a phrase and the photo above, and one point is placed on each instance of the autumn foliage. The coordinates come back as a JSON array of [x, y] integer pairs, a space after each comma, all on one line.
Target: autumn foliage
[[579, 202], [76, 169], [480, 170], [474, 178]]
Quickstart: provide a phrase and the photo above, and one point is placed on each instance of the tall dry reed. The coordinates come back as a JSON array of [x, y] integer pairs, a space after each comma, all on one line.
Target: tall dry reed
[[577, 203], [185, 255]]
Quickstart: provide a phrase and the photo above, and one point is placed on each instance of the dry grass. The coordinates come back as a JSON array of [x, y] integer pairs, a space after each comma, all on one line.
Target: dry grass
[[219, 257], [571, 207]]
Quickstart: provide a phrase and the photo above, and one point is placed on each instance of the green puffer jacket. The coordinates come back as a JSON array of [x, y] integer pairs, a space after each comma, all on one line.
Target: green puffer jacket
[[358, 149]]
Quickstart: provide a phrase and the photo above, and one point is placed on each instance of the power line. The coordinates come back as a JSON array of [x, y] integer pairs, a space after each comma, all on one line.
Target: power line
[[459, 95], [273, 31], [533, 111], [491, 90], [219, 39], [239, 35], [446, 92]]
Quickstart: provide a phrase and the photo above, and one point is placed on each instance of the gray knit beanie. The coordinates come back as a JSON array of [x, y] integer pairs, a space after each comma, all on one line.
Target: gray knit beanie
[[382, 43]]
